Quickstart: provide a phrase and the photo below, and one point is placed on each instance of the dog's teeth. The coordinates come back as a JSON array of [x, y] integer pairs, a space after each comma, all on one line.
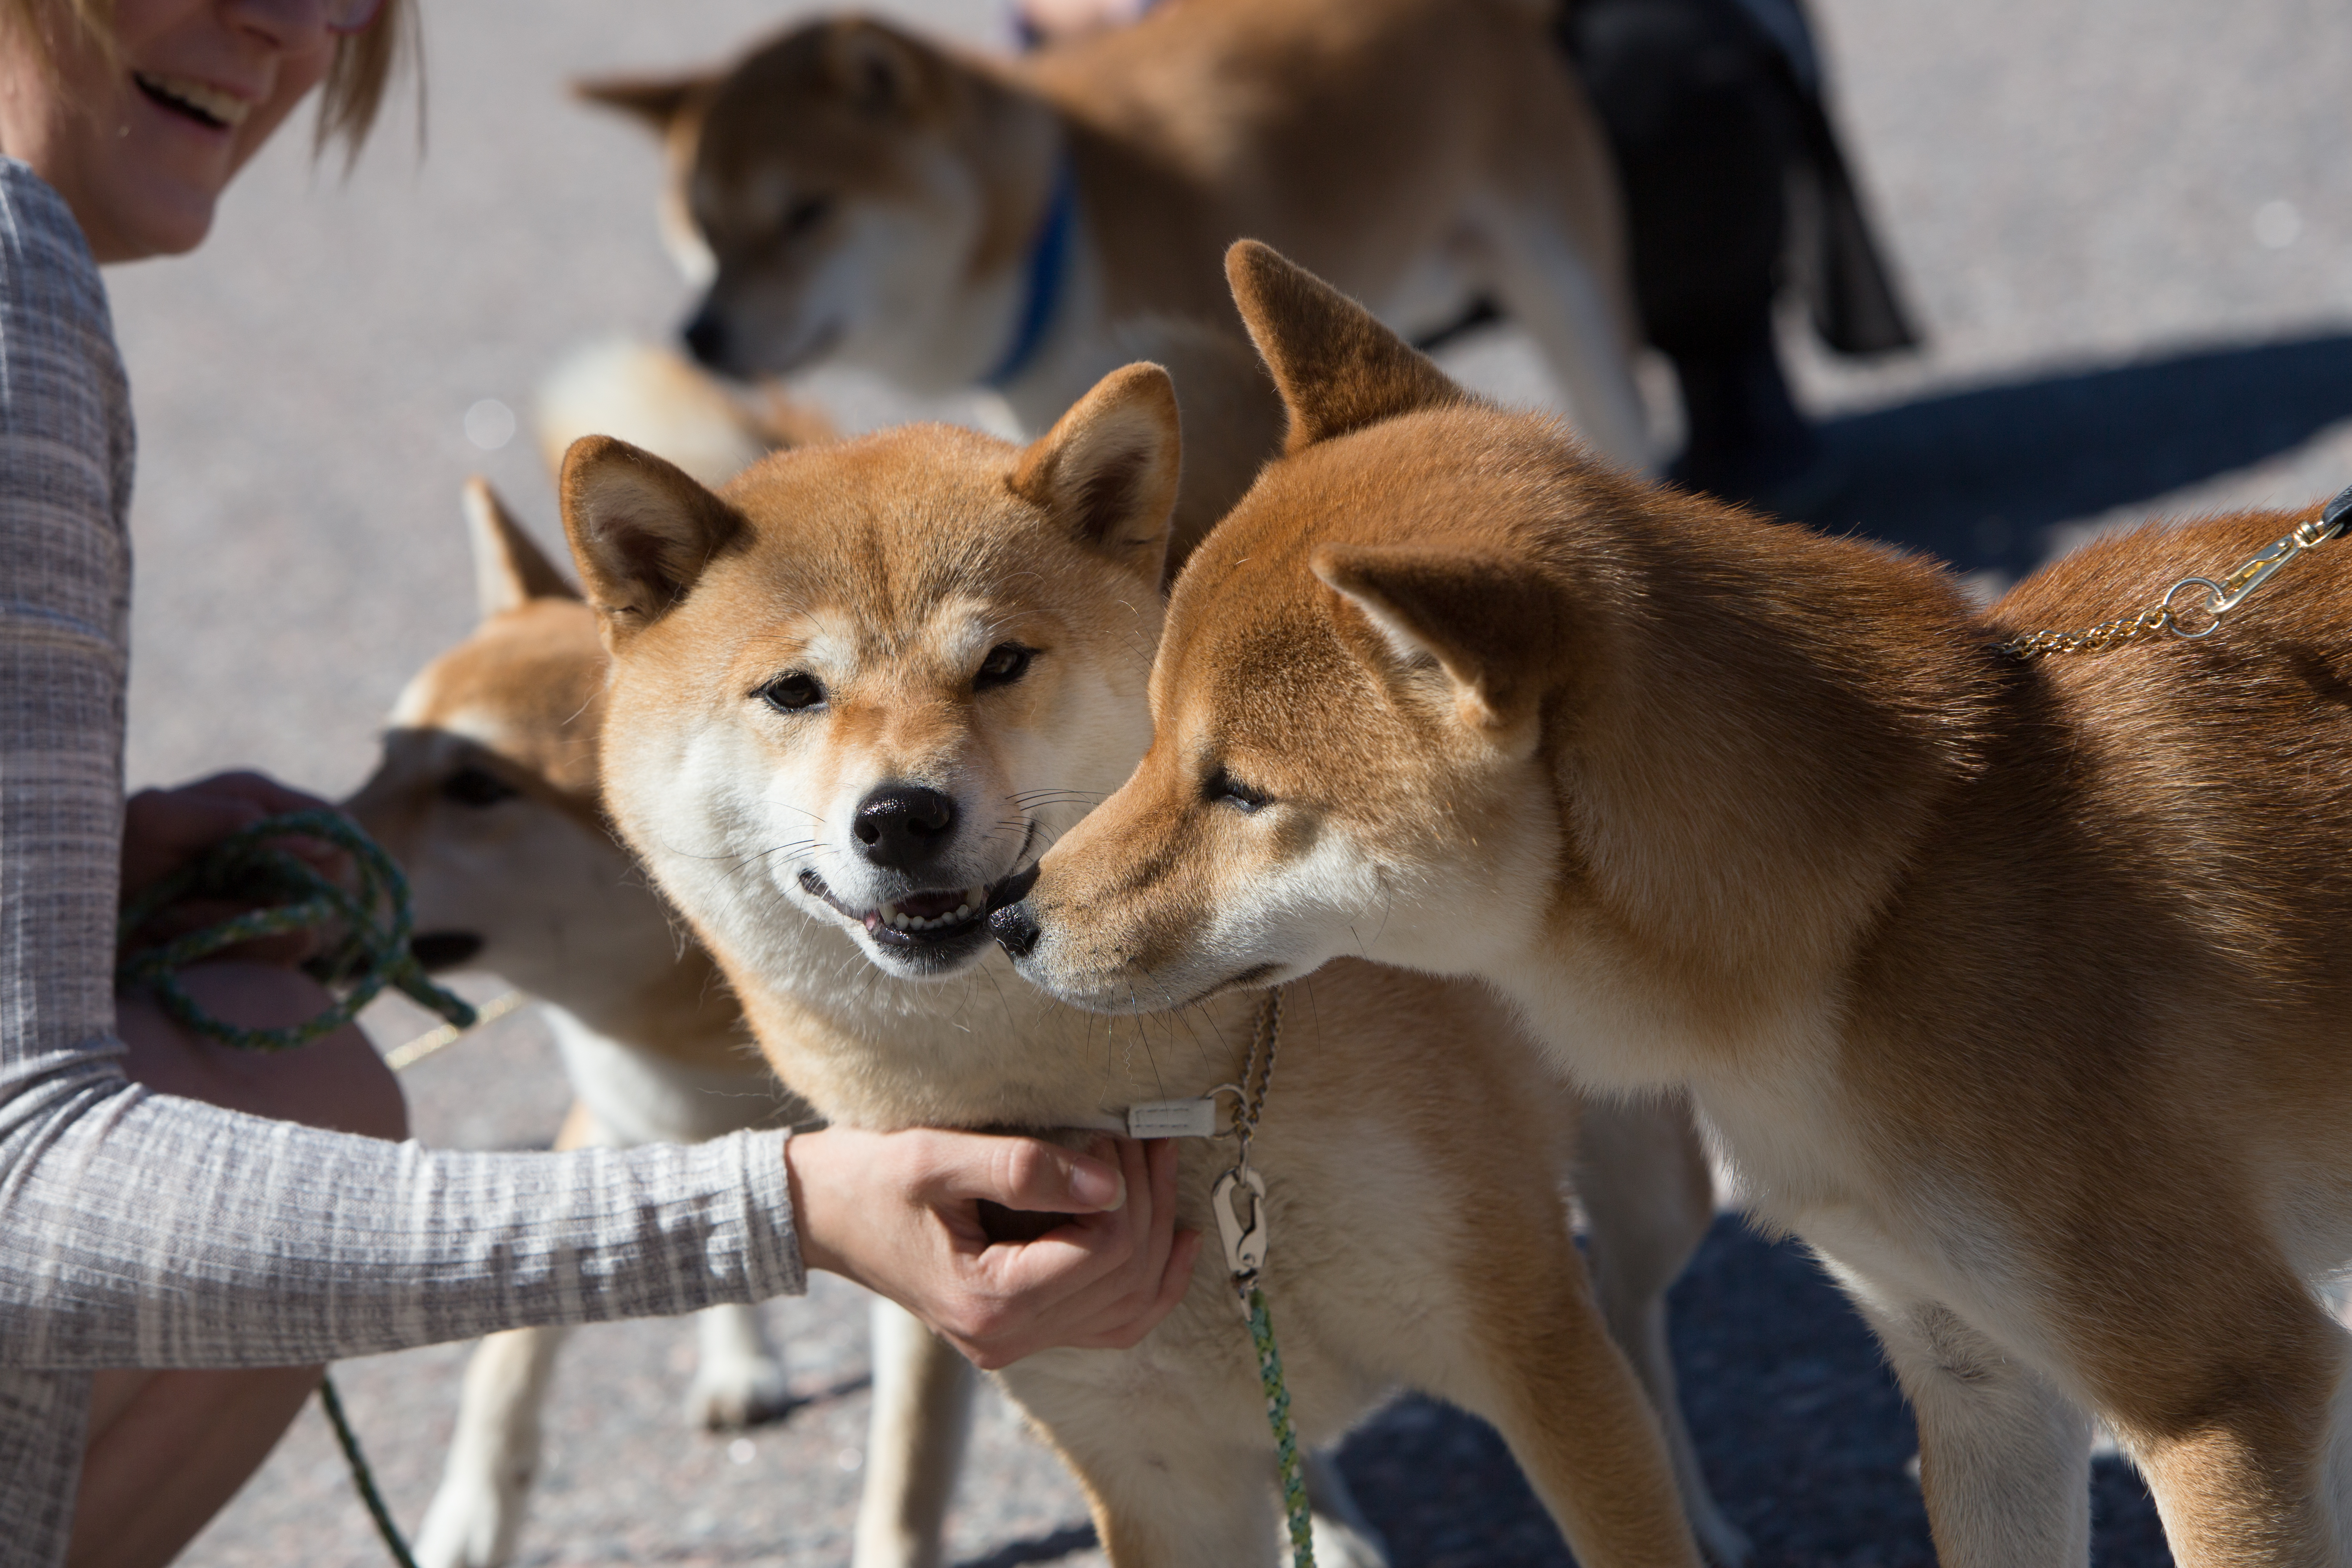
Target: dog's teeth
[[963, 911]]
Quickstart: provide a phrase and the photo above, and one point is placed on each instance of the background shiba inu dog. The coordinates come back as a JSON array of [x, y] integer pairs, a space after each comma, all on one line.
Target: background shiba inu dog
[[850, 191], [2015, 988], [488, 795], [852, 696]]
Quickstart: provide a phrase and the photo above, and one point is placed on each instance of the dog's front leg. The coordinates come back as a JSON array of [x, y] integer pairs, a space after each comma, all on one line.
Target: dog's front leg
[[914, 1448], [2004, 1458], [1176, 1462], [486, 1485], [738, 1379]]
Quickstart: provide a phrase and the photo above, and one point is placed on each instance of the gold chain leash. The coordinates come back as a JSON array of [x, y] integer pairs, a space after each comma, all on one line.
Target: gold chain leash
[[2218, 599]]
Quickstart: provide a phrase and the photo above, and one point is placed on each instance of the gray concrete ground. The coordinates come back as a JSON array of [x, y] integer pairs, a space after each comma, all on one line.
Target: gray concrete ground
[[2126, 224]]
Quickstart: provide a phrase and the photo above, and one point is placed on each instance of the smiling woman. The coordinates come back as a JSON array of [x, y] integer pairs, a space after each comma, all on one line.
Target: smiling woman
[[138, 112]]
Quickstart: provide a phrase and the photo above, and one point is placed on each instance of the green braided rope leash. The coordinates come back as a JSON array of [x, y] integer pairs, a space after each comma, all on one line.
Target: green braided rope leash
[[362, 1478], [249, 867], [1239, 1199], [1285, 1436]]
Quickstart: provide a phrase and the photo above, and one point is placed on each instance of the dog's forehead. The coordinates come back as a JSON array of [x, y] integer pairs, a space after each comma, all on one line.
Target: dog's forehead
[[1251, 654], [781, 115], [907, 540]]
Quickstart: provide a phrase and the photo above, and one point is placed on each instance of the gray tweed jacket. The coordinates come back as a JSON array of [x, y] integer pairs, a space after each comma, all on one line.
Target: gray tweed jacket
[[140, 1230]]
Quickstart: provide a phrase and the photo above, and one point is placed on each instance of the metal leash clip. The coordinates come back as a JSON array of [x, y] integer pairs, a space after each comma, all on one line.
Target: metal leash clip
[[2226, 595], [1246, 1238]]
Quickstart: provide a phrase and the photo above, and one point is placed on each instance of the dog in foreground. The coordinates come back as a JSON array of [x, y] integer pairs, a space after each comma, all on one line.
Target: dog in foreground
[[2017, 989], [850, 191], [486, 794], [851, 697]]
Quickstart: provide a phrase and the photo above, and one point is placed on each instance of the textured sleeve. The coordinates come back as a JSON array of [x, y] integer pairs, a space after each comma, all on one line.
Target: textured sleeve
[[139, 1229]]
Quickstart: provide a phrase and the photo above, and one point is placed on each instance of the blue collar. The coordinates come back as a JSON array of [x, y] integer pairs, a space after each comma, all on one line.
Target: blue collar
[[1049, 269]]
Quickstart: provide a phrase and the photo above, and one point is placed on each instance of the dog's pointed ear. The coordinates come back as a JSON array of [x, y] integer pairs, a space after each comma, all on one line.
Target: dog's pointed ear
[[1337, 367], [653, 101], [510, 570], [1490, 625], [877, 68], [1108, 470], [642, 530]]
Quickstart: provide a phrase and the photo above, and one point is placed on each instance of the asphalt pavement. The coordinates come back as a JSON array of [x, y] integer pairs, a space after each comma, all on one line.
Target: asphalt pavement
[[2127, 225]]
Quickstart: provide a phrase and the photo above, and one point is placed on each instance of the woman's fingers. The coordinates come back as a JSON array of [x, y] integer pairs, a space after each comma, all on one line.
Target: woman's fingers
[[902, 1212], [1102, 1280]]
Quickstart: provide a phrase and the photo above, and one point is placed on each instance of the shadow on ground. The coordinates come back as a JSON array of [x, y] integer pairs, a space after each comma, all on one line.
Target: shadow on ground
[[1977, 478], [1802, 1431]]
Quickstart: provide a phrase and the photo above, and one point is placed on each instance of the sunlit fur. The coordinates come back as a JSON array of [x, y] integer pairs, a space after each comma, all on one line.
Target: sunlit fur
[[863, 195], [2018, 990], [1415, 1151]]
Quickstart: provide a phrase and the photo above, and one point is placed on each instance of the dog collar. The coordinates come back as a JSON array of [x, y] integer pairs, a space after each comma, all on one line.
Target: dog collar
[[1047, 272]]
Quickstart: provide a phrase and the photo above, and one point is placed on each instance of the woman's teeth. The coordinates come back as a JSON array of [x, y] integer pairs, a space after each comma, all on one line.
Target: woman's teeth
[[209, 104], [899, 920]]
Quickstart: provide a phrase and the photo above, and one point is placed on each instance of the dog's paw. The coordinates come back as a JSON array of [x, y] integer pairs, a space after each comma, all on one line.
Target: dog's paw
[[731, 1393], [472, 1523]]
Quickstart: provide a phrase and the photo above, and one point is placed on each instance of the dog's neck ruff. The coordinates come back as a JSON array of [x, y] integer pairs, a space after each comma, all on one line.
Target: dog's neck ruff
[[1045, 278]]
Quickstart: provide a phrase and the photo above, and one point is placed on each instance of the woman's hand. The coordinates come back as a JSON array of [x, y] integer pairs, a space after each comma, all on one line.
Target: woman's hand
[[901, 1212], [163, 829]]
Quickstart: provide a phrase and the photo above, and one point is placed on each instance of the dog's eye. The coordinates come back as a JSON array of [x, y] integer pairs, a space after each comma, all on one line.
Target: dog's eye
[[794, 693], [803, 215], [477, 786], [1222, 785], [1006, 663]]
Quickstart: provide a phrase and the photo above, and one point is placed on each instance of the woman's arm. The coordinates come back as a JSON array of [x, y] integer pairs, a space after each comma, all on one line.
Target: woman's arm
[[140, 1229]]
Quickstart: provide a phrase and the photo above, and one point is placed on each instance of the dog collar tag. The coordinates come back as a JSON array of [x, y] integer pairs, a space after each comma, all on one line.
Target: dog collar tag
[[1172, 1119]]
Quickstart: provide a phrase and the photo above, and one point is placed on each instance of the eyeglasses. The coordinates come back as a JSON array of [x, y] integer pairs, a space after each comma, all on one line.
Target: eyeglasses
[[351, 16]]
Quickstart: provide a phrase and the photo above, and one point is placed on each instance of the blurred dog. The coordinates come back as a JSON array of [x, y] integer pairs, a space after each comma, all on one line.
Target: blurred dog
[[850, 191], [850, 699], [2018, 989]]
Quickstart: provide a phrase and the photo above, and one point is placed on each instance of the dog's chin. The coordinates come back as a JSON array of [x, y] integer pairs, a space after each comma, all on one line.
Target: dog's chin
[[921, 948], [932, 958], [784, 353]]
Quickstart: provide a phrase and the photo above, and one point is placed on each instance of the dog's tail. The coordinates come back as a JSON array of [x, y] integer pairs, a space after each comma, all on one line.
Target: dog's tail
[[652, 398]]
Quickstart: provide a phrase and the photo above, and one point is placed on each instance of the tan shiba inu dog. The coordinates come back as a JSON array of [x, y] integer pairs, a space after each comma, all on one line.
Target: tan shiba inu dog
[[849, 191], [2018, 989], [488, 795], [852, 696]]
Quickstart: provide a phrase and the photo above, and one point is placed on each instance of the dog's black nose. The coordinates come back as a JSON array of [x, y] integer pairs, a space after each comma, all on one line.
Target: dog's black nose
[[706, 338], [904, 826], [1014, 931]]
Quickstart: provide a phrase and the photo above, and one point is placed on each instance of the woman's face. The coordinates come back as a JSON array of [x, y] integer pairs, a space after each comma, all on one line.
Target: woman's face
[[142, 146]]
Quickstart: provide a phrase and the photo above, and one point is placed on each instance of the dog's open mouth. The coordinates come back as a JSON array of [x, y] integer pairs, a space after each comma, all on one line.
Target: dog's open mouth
[[195, 100], [918, 920]]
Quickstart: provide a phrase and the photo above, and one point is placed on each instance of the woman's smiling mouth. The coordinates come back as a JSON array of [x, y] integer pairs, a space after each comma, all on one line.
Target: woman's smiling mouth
[[193, 100]]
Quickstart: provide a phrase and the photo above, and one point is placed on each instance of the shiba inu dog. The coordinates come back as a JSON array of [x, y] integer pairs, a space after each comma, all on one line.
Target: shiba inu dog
[[488, 795], [2015, 987], [852, 696], [849, 191]]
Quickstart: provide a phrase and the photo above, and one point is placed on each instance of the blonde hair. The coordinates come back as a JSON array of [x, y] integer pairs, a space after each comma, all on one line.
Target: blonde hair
[[348, 102]]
